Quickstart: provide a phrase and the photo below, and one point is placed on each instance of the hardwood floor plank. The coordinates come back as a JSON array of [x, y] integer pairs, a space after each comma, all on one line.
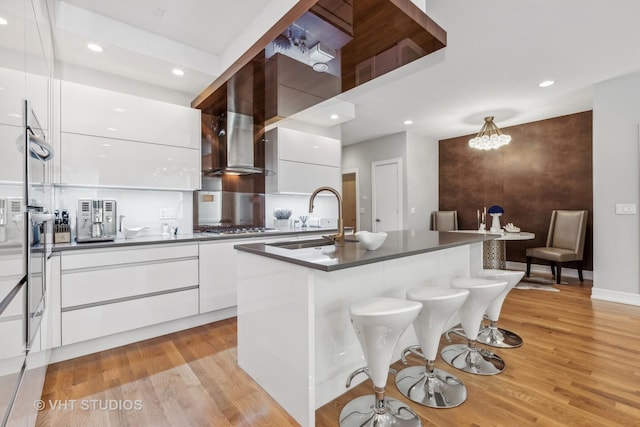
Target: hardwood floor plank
[[579, 365]]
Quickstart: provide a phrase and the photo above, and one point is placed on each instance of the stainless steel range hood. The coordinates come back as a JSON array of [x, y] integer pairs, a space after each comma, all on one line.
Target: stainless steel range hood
[[235, 130]]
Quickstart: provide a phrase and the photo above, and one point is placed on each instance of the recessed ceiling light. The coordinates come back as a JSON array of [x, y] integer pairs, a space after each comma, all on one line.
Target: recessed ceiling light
[[16, 115], [112, 129], [334, 116], [408, 122], [3, 21], [119, 110], [106, 145], [546, 83], [95, 47], [320, 67], [177, 72]]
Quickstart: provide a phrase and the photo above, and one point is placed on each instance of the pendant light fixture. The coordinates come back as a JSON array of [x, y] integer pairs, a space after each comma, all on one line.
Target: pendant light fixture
[[490, 136]]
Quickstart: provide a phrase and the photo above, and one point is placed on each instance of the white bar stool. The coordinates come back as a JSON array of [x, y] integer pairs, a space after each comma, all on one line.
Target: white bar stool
[[427, 385], [378, 323], [467, 357], [492, 335]]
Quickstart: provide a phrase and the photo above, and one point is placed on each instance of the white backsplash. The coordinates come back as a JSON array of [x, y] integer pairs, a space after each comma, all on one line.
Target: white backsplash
[[326, 206], [141, 208]]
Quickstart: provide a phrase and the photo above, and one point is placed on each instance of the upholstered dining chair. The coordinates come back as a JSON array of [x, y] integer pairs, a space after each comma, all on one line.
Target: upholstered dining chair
[[444, 220], [565, 242]]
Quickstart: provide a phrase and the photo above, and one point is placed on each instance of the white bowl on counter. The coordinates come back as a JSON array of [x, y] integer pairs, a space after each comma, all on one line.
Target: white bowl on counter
[[130, 233], [371, 241]]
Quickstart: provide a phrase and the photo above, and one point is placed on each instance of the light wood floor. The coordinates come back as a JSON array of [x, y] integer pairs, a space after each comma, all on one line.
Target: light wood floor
[[579, 366]]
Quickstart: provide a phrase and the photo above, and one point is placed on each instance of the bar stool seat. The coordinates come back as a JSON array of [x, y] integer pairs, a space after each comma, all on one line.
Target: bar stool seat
[[492, 335], [378, 323], [428, 385], [467, 357]]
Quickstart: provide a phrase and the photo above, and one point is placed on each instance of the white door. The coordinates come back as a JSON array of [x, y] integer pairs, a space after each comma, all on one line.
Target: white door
[[386, 178]]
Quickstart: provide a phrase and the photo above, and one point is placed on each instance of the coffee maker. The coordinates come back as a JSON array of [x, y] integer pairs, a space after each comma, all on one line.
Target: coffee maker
[[96, 220]]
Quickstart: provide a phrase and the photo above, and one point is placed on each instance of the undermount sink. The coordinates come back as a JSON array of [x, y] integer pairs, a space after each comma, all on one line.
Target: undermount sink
[[302, 244]]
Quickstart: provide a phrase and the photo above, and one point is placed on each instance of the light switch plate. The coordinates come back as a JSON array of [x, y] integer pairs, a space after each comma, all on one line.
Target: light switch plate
[[626, 209], [167, 213]]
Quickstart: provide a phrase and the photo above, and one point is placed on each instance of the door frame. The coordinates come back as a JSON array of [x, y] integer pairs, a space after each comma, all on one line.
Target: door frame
[[398, 161], [355, 171]]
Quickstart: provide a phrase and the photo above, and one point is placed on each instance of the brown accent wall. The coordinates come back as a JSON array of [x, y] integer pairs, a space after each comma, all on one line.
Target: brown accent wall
[[547, 166]]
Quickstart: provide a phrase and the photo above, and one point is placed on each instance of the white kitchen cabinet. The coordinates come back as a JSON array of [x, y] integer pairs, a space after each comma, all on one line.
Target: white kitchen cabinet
[[302, 178], [301, 161], [93, 111], [11, 160], [218, 286], [107, 319], [94, 161], [108, 291], [218, 272]]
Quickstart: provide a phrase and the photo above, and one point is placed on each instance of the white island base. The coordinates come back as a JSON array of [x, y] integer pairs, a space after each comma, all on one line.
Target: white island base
[[295, 337]]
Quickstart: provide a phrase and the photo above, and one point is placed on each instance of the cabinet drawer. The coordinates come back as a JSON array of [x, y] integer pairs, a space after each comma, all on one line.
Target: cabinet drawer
[[93, 111], [94, 286], [99, 321], [105, 257], [89, 160]]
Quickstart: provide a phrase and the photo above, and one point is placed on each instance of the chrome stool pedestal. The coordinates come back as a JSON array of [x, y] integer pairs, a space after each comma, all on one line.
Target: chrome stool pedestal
[[430, 386], [497, 337]]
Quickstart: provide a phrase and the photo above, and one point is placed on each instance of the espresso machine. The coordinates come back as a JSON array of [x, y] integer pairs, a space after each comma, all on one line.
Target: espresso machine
[[96, 220]]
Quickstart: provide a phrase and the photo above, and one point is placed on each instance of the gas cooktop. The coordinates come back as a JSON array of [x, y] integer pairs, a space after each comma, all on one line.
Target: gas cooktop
[[224, 231]]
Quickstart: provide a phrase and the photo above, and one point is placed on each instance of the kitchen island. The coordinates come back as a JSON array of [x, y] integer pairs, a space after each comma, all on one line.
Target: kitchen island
[[294, 333]]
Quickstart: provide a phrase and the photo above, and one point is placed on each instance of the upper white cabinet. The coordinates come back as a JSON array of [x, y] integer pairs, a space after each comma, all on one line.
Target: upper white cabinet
[[301, 161], [88, 110], [110, 139], [93, 161]]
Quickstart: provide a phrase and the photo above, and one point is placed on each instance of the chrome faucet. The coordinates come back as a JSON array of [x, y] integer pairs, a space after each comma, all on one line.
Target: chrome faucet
[[338, 238]]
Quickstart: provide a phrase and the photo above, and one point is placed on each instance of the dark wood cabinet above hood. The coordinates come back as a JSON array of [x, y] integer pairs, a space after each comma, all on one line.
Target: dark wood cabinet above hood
[[373, 27]]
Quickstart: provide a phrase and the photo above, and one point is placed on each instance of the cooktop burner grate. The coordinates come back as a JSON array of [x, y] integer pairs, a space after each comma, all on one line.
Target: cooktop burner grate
[[224, 230]]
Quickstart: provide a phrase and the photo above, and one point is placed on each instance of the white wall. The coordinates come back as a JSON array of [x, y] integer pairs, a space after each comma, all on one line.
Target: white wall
[[616, 238], [360, 156], [422, 181], [420, 174]]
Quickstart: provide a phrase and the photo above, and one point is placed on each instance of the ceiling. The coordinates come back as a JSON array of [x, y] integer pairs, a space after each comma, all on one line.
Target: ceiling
[[497, 52]]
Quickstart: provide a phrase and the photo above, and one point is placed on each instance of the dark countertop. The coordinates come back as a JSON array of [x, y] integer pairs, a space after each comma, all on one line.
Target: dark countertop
[[187, 237], [397, 245]]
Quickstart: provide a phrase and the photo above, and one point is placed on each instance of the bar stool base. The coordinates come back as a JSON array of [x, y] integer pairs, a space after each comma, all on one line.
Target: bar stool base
[[499, 338], [360, 412], [441, 391], [474, 361]]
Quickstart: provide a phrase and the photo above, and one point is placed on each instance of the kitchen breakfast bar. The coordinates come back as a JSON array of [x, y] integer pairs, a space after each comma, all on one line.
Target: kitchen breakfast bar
[[294, 332]]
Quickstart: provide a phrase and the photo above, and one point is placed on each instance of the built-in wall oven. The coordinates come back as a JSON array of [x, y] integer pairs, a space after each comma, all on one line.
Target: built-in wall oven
[[25, 244]]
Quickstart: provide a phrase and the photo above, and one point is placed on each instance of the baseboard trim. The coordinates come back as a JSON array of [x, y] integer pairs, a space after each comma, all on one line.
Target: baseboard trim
[[544, 269], [615, 296]]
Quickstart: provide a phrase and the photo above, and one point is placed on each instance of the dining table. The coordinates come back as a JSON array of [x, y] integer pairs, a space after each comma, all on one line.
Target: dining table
[[494, 253]]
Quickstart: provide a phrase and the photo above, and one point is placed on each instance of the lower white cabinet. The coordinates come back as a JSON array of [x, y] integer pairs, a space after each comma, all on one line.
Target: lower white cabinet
[[107, 291], [218, 283], [111, 318], [218, 272]]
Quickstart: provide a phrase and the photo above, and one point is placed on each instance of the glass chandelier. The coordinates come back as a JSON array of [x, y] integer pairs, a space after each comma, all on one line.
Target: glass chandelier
[[490, 136]]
